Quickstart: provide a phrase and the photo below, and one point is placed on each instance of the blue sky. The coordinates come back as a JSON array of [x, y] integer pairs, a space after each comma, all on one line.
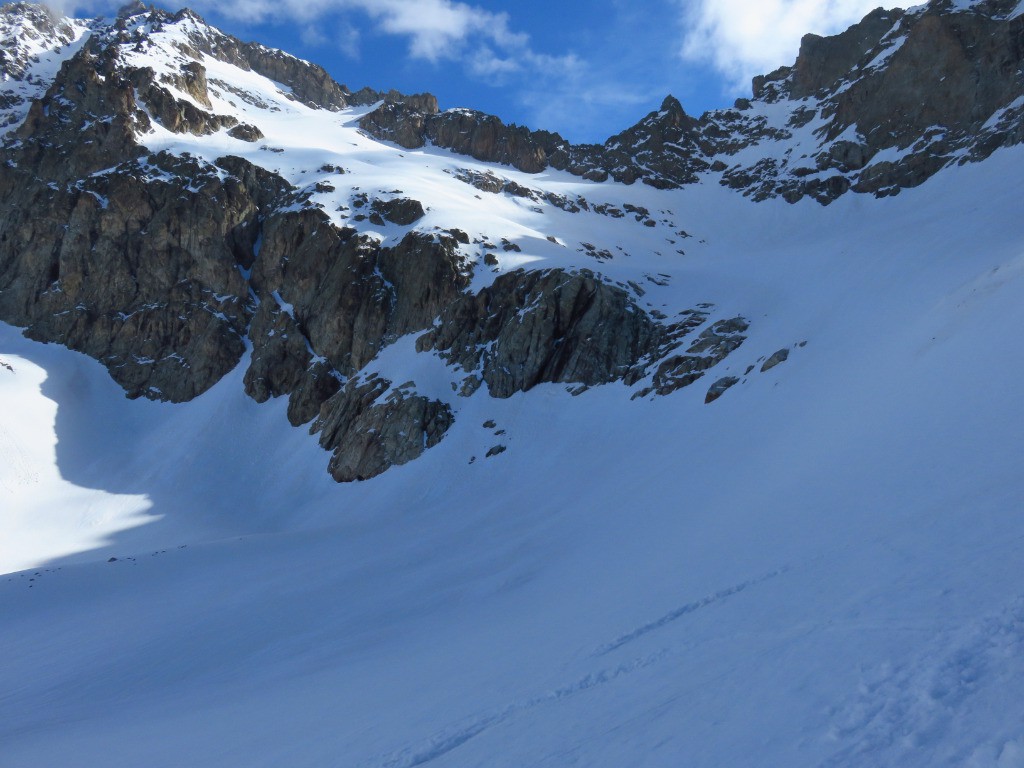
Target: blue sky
[[584, 69]]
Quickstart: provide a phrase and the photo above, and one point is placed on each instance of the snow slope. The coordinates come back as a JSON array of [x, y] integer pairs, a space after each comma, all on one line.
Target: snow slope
[[821, 568]]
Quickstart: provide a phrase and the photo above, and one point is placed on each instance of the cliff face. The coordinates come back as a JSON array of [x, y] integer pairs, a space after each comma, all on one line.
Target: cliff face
[[158, 219]]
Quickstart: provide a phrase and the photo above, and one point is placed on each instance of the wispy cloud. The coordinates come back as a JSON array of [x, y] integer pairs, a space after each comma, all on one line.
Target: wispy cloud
[[743, 38], [436, 30], [483, 43]]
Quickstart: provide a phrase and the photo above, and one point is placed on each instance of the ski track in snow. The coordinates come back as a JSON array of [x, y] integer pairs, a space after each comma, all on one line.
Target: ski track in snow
[[450, 739], [685, 610]]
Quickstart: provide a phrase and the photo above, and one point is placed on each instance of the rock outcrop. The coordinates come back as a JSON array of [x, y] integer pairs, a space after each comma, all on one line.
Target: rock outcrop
[[777, 357], [720, 387], [371, 426], [347, 294], [709, 349], [402, 211], [534, 327], [128, 271]]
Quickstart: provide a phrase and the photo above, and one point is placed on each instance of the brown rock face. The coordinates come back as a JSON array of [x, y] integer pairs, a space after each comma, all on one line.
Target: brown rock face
[[953, 71], [487, 138], [178, 115], [402, 211], [397, 123], [926, 82], [823, 61], [132, 274], [280, 362], [666, 143], [719, 388]]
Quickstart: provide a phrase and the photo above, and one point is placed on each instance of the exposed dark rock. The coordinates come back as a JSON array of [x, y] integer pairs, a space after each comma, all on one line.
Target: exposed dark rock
[[37, 21], [885, 82], [397, 122], [246, 132], [721, 338], [544, 326], [350, 296], [486, 181], [176, 115], [719, 388], [709, 349], [192, 81], [680, 371], [967, 64], [317, 385], [780, 356], [825, 60], [661, 149], [665, 143], [402, 211], [485, 137], [281, 357], [306, 82], [370, 429], [137, 275], [470, 385]]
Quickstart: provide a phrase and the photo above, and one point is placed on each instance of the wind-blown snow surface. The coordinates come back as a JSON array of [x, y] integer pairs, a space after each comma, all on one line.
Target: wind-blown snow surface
[[821, 568]]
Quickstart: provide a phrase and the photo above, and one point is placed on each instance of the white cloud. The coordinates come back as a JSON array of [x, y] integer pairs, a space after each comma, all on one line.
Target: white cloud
[[435, 29], [482, 41], [347, 40], [743, 38]]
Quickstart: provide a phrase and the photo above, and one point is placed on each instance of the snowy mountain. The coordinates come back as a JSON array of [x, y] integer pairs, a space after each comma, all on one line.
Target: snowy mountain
[[699, 447]]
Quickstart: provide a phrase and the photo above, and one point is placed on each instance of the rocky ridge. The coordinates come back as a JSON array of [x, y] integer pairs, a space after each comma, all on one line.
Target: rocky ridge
[[878, 108]]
